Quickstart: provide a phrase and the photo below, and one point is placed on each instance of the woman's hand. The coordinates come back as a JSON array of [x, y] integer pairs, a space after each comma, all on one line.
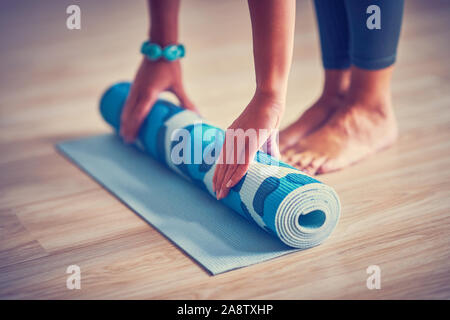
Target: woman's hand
[[152, 78], [273, 40], [256, 127]]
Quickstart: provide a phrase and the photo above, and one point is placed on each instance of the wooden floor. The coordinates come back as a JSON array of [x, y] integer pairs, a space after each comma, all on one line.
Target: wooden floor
[[396, 204]]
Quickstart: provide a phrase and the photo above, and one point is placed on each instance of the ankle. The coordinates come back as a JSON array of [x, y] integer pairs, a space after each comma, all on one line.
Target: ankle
[[370, 88], [336, 84], [380, 101]]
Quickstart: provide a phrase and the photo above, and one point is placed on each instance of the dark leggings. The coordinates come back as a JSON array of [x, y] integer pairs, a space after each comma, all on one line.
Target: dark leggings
[[346, 40]]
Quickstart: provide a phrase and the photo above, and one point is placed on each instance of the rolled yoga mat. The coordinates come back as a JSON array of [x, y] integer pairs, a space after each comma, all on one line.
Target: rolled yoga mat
[[295, 210]]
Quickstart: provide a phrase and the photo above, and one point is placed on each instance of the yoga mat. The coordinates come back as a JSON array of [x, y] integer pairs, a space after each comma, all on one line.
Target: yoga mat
[[275, 209]]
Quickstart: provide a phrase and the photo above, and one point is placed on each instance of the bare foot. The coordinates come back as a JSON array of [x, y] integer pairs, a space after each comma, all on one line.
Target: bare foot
[[311, 120], [335, 88], [352, 133]]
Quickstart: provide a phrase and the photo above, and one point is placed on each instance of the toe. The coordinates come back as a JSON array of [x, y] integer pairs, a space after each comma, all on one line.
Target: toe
[[328, 166], [302, 160], [288, 154], [314, 165]]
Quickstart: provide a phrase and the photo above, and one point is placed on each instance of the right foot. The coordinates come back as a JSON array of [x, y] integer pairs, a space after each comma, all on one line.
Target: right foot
[[354, 132], [364, 124], [311, 120]]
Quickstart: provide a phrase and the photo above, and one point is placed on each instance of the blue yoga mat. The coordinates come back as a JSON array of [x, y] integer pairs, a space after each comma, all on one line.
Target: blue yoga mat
[[275, 209]]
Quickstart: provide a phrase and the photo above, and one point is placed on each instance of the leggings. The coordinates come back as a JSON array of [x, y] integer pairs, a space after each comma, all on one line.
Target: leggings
[[346, 39]]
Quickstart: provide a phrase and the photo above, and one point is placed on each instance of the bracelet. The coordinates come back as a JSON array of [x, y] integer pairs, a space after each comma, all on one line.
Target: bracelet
[[153, 51]]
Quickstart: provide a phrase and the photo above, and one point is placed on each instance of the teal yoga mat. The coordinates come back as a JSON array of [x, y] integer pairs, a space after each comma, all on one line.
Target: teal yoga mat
[[274, 210]]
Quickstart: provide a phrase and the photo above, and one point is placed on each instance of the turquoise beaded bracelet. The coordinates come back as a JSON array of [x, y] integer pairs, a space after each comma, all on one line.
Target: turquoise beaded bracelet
[[153, 51]]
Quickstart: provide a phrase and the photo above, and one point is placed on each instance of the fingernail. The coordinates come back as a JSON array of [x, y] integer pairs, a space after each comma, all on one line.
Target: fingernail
[[229, 183]]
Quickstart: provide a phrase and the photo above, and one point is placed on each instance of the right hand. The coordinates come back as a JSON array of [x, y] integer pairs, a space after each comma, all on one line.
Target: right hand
[[152, 78]]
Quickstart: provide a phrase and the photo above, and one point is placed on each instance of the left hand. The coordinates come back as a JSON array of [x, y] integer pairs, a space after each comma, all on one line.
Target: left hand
[[263, 112], [152, 78]]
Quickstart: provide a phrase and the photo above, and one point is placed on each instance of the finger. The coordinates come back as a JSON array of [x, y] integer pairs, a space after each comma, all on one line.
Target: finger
[[220, 162], [184, 99], [217, 170], [236, 170], [226, 180], [237, 175], [130, 106], [220, 178], [233, 156], [127, 110], [240, 172], [137, 117], [215, 178], [223, 168]]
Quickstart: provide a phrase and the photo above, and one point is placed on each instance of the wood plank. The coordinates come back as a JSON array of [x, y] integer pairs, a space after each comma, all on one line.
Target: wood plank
[[395, 204]]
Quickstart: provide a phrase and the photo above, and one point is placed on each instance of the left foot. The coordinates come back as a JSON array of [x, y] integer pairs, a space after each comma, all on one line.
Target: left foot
[[334, 90], [355, 131]]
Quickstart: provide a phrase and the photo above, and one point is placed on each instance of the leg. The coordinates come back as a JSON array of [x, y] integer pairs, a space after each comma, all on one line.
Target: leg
[[365, 123], [374, 49], [335, 45]]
